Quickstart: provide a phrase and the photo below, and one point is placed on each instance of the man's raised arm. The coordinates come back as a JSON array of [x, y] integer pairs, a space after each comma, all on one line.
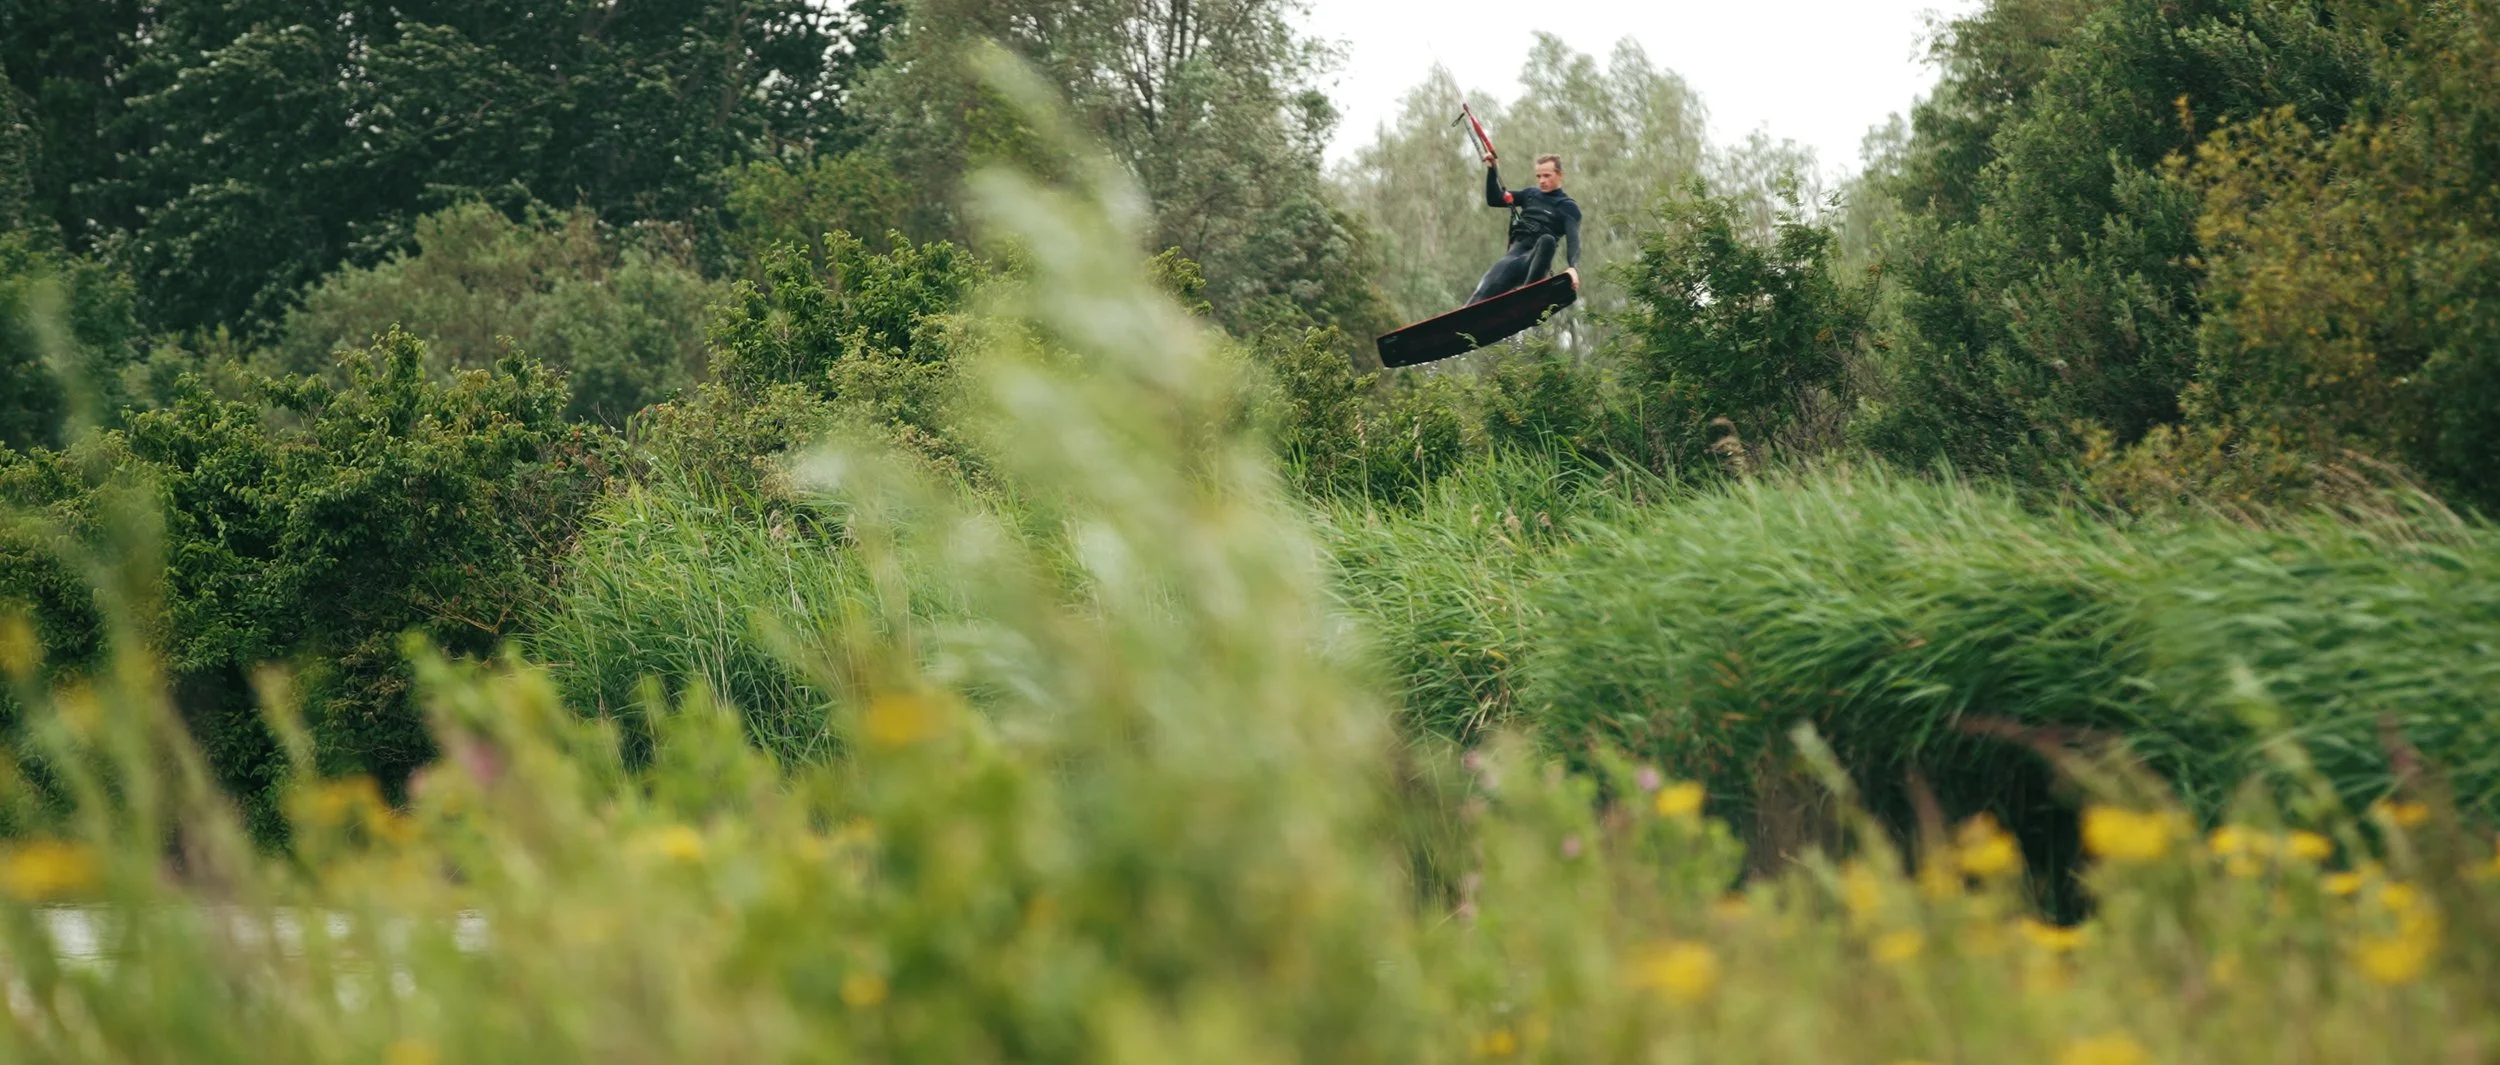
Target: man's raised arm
[[1493, 194]]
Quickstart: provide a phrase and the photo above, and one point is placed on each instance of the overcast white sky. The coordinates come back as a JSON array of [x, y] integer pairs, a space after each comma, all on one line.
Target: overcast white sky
[[1815, 71]]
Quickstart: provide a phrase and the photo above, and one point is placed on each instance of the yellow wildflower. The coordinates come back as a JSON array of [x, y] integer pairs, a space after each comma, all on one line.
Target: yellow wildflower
[[2399, 898], [1894, 948], [20, 649], [1536, 1029], [2308, 846], [45, 869], [2402, 813], [1984, 850], [862, 990], [2341, 884], [1861, 889], [410, 1051], [1681, 972], [1680, 801], [2116, 1048], [1498, 1043], [2056, 939], [2394, 959], [674, 842], [2126, 836], [1731, 907], [2232, 841], [333, 802], [2224, 970], [899, 720]]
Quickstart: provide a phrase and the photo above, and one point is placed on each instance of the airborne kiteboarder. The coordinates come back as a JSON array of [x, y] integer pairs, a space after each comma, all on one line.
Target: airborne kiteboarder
[[1539, 216], [1516, 293]]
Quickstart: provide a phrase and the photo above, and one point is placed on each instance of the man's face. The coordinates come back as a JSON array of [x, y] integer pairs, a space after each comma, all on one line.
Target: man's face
[[1548, 177]]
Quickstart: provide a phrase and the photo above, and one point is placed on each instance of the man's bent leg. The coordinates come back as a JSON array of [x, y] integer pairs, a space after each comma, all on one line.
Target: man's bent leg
[[1508, 272], [1540, 259]]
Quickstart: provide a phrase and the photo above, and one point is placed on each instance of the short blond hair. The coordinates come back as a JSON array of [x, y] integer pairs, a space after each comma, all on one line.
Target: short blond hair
[[1550, 157]]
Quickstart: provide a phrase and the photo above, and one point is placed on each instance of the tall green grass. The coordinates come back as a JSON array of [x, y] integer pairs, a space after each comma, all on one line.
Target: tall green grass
[[1442, 585], [1906, 618], [669, 584]]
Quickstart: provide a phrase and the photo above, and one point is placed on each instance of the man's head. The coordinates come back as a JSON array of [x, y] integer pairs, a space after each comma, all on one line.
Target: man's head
[[1548, 172]]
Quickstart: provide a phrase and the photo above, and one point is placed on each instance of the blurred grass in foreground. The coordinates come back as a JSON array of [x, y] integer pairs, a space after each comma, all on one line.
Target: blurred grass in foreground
[[1175, 830]]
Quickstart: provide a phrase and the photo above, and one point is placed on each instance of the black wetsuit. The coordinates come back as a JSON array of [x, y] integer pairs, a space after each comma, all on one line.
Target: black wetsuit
[[1538, 219]]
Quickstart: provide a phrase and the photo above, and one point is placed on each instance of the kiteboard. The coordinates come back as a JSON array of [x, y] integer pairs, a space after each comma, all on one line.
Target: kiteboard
[[1473, 326]]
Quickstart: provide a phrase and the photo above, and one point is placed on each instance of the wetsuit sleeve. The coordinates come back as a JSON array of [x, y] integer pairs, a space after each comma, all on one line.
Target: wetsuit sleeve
[[1571, 233], [1493, 194]]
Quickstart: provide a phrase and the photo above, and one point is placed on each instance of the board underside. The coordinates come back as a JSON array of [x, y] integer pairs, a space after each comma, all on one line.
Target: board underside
[[1477, 324]]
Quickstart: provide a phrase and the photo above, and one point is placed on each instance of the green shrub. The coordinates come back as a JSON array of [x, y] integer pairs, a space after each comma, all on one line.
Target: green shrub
[[875, 335], [2043, 278], [2354, 277], [93, 308], [1729, 334], [624, 324], [314, 526], [772, 202]]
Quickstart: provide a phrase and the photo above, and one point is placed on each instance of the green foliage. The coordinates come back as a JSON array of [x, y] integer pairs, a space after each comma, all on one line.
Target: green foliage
[[317, 527], [1210, 105], [2355, 275], [1445, 586], [256, 145], [90, 306], [623, 323], [1731, 336], [771, 202], [1133, 803], [703, 597], [874, 334], [17, 159], [2043, 277]]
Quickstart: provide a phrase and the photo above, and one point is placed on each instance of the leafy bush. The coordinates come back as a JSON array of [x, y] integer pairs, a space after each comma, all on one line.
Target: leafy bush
[[2043, 277], [1730, 332], [2355, 275], [90, 304], [771, 202], [624, 324], [873, 333], [318, 525]]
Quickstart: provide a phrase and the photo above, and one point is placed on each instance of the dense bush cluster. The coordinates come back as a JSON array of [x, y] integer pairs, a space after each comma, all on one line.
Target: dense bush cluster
[[313, 526]]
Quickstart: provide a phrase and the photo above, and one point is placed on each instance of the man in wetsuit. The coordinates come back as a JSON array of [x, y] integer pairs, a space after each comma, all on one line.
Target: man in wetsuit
[[1539, 217]]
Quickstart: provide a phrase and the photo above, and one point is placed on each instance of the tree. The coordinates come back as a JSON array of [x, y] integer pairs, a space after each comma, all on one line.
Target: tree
[[256, 144], [2043, 275], [1207, 102], [2354, 277], [623, 322], [1731, 340], [314, 526], [94, 335]]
